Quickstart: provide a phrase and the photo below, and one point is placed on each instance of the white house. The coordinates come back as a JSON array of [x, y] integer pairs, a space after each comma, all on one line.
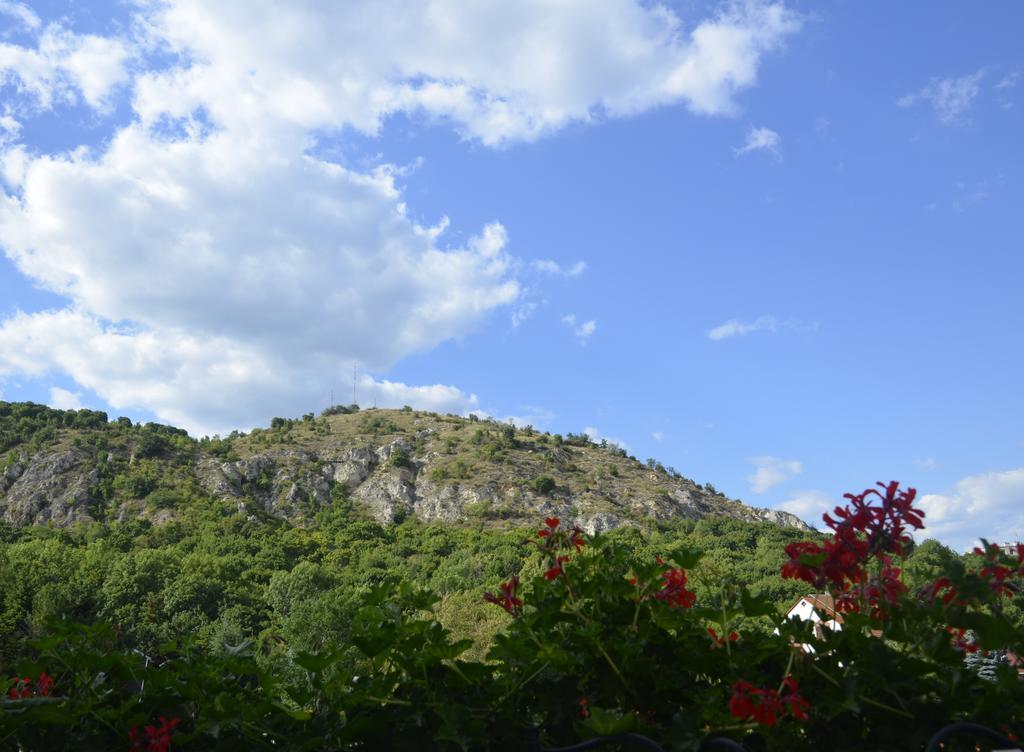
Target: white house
[[819, 608]]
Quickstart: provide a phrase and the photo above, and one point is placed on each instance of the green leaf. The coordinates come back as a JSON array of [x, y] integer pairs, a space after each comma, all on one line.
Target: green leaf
[[609, 722]]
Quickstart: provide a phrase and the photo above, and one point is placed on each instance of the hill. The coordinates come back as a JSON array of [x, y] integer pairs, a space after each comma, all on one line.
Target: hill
[[69, 466]]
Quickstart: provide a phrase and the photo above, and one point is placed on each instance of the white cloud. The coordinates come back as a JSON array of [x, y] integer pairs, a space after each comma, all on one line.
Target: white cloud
[[950, 98], [1005, 86], [737, 328], [230, 305], [582, 331], [21, 13], [808, 505], [216, 272], [523, 312], [658, 435], [928, 463], [10, 129], [533, 416], [62, 65], [553, 267], [499, 71], [597, 437], [987, 505], [771, 471], [438, 398], [761, 139], [1009, 81], [62, 399]]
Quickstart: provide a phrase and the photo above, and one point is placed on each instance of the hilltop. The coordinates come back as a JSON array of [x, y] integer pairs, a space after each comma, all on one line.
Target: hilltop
[[69, 466]]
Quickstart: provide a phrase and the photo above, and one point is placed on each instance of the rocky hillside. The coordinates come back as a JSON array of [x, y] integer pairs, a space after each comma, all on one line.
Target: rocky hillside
[[66, 466]]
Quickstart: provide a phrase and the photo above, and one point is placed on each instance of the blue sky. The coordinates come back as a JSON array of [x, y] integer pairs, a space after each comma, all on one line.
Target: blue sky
[[778, 247]]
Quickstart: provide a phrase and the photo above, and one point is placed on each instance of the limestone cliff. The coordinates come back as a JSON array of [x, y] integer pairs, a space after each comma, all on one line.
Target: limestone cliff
[[394, 464]]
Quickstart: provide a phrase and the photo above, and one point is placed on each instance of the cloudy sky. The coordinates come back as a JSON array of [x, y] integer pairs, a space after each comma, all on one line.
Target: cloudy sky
[[776, 246]]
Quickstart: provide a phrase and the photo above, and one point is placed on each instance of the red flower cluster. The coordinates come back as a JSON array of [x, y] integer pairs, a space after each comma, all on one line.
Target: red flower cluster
[[673, 590], [931, 592], [25, 687], [556, 571], [719, 642], [507, 600], [558, 539], [878, 592], [552, 526], [765, 706], [1000, 569], [584, 707], [554, 536], [962, 640], [153, 738], [862, 530]]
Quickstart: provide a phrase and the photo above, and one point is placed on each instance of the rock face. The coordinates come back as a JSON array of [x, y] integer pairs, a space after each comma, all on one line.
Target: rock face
[[409, 465], [777, 517], [48, 487]]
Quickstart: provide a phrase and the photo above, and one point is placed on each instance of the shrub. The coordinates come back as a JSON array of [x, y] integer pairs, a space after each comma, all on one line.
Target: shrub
[[339, 410], [399, 457], [543, 484]]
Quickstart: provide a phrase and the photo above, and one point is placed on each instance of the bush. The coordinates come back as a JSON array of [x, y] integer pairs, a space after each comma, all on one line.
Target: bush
[[164, 498], [399, 457], [454, 470], [339, 410], [543, 484]]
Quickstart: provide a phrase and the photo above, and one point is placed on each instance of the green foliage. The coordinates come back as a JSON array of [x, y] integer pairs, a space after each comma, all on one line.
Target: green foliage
[[399, 457], [594, 636], [455, 470], [378, 424], [339, 410], [30, 423], [543, 484]]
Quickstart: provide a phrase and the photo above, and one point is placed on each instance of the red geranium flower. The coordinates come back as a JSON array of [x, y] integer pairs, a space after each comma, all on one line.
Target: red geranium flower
[[764, 705], [153, 738], [507, 600], [552, 523], [673, 590], [556, 571], [23, 687], [718, 642], [931, 592], [584, 707]]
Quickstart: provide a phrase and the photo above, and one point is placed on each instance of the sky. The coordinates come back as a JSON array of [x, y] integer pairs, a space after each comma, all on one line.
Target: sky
[[776, 246]]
